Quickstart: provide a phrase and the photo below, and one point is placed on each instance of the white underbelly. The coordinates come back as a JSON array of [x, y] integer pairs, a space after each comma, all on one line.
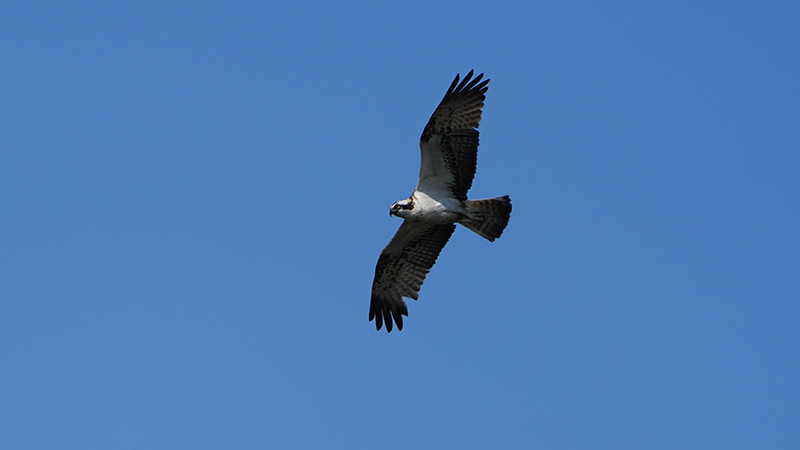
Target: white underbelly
[[433, 210]]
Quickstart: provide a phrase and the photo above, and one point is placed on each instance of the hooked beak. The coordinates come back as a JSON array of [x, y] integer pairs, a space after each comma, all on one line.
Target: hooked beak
[[391, 212]]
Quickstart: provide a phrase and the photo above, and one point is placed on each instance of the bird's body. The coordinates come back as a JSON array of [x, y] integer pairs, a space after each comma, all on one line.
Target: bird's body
[[449, 146], [433, 208]]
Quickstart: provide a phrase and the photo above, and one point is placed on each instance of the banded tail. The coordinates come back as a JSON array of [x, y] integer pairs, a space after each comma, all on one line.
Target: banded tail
[[487, 217]]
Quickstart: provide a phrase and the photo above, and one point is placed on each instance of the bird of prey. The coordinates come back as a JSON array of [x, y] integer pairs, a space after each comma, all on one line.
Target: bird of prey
[[449, 145]]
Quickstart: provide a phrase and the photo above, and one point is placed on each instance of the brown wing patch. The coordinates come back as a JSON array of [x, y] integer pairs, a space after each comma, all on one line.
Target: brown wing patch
[[455, 122], [401, 271]]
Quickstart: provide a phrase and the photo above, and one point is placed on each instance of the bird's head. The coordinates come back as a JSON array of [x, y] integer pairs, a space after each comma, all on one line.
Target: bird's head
[[402, 208]]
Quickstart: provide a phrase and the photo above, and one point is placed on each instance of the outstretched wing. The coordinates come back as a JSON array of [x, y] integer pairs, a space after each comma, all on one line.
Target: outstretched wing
[[402, 268], [449, 142]]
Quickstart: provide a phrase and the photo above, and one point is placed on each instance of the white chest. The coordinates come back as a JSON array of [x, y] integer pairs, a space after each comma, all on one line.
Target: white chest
[[435, 209]]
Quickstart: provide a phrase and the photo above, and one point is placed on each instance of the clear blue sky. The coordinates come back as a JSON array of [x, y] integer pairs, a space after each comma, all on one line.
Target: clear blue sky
[[193, 197]]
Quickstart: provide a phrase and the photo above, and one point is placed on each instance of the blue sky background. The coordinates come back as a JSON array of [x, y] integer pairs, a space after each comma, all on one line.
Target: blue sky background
[[193, 197]]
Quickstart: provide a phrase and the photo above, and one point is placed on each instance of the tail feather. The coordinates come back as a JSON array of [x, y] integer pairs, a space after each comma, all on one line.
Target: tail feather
[[488, 217]]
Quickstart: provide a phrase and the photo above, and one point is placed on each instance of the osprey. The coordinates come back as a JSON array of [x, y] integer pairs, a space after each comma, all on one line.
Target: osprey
[[449, 147]]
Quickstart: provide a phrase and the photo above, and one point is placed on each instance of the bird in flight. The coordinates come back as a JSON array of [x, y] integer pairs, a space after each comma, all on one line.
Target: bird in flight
[[449, 145]]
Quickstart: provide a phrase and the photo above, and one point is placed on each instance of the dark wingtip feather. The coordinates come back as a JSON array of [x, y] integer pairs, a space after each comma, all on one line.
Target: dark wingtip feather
[[464, 82], [474, 82], [398, 318], [452, 86], [468, 84]]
